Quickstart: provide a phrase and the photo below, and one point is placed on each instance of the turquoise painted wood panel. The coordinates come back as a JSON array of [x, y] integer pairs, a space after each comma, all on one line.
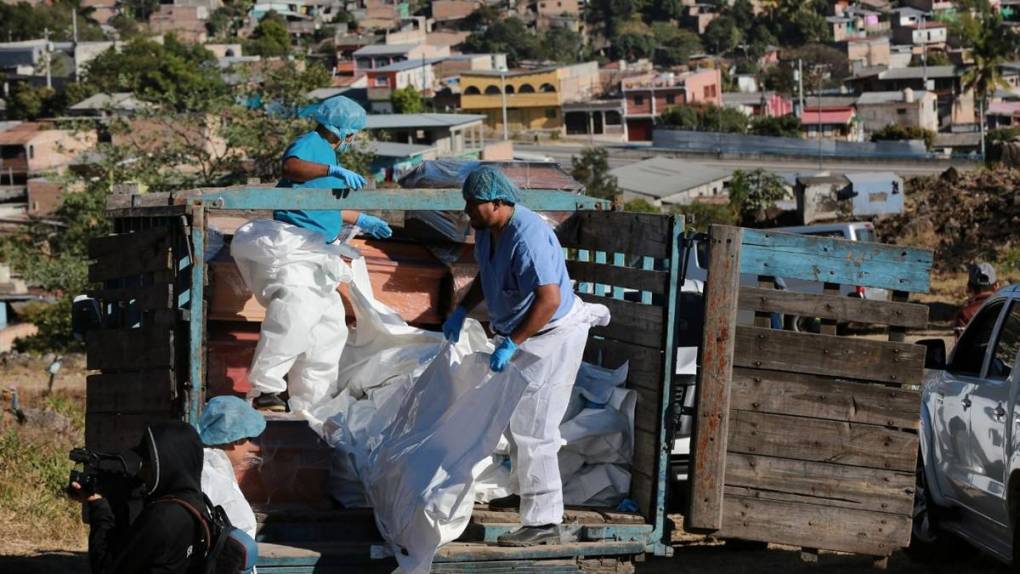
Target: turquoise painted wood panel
[[403, 199], [825, 259]]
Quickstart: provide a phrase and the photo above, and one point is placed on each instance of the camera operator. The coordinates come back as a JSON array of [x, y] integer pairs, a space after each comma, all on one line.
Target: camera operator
[[164, 537]]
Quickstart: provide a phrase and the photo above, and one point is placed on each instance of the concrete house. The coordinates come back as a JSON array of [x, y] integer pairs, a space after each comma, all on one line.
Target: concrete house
[[449, 134], [186, 22], [876, 110], [32, 149], [672, 181], [956, 106], [835, 122], [379, 55], [647, 96]]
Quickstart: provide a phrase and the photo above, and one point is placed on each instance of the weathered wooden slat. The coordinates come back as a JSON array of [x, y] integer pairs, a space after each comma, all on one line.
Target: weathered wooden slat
[[713, 388], [149, 347], [642, 491], [116, 431], [830, 260], [824, 398], [814, 526], [644, 364], [603, 274], [631, 322], [136, 241], [615, 232], [646, 412], [820, 483], [845, 357], [151, 258], [800, 438], [153, 297], [838, 308], [141, 392]]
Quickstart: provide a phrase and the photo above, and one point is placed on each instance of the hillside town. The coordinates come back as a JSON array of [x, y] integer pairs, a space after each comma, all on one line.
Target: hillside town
[[602, 286]]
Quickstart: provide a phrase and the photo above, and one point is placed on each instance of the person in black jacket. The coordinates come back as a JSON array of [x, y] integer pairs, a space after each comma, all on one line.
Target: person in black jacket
[[165, 537]]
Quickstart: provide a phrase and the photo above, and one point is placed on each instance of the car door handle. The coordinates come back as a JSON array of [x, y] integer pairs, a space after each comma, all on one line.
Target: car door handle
[[966, 403], [1000, 412]]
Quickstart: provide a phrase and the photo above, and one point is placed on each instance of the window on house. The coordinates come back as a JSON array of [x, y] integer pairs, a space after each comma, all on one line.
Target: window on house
[[550, 113], [382, 82], [639, 100], [526, 89], [901, 111], [670, 99], [31, 152], [491, 91], [472, 91], [706, 92]]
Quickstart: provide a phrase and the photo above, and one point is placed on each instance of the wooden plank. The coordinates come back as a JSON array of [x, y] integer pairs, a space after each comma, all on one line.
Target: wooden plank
[[148, 347], [821, 483], [141, 392], [713, 389], [631, 322], [130, 262], [644, 364], [824, 398], [825, 259], [646, 412], [814, 526], [100, 247], [587, 272], [152, 297], [829, 326], [844, 357], [819, 440], [761, 318], [838, 308], [898, 334], [570, 515], [642, 491], [116, 431], [616, 232]]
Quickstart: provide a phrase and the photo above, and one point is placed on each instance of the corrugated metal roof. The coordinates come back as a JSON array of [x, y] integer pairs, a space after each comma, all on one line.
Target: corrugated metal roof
[[863, 179], [1004, 108], [393, 149], [116, 100], [661, 177], [918, 72], [896, 96], [392, 121]]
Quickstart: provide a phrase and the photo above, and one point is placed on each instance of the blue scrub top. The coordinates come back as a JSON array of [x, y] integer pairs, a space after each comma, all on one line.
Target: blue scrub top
[[313, 147], [528, 255]]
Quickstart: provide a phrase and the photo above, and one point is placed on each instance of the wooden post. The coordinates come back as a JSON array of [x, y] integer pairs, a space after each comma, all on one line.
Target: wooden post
[[713, 389]]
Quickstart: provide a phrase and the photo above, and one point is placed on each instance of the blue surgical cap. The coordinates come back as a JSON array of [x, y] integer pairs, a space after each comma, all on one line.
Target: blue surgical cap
[[227, 419], [341, 115], [487, 183]]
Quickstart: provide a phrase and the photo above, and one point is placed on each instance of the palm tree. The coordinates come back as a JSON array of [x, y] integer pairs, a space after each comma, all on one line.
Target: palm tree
[[991, 44]]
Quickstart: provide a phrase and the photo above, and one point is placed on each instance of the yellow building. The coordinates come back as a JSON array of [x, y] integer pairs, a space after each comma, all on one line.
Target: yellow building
[[533, 98]]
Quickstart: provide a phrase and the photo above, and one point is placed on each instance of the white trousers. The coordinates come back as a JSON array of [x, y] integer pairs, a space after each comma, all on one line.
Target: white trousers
[[535, 425], [294, 275]]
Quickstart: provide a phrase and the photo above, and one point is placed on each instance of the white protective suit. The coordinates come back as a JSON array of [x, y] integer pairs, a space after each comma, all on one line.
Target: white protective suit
[[219, 483], [294, 275], [535, 425]]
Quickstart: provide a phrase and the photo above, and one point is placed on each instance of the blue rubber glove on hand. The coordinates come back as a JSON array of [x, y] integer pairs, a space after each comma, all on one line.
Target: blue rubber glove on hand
[[353, 179], [453, 324], [374, 226], [504, 352]]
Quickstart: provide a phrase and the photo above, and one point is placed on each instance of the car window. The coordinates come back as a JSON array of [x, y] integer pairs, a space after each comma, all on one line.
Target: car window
[[836, 234], [970, 351], [1007, 345], [865, 234]]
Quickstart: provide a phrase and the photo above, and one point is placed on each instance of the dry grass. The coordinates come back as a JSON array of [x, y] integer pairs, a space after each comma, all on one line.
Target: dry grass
[[34, 513]]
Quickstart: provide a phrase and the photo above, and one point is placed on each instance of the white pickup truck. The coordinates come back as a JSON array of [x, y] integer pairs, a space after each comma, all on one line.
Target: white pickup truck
[[968, 479]]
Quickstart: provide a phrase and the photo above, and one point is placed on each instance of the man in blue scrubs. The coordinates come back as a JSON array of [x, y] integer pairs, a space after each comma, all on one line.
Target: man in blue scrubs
[[532, 307], [292, 265]]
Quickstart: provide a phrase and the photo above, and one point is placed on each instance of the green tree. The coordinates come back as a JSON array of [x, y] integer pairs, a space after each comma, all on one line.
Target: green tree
[[270, 38], [562, 45], [139, 9], [898, 132], [639, 205], [787, 126], [510, 37], [25, 21], [722, 35], [591, 169], [486, 15], [709, 118], [753, 193], [632, 46], [28, 102], [407, 100], [674, 45], [699, 216]]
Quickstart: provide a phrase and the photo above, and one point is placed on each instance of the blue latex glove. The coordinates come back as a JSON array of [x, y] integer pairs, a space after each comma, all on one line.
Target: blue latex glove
[[504, 352], [374, 226], [453, 324], [352, 179]]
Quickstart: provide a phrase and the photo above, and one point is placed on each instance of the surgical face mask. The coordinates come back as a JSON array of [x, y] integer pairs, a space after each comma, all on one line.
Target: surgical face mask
[[342, 147]]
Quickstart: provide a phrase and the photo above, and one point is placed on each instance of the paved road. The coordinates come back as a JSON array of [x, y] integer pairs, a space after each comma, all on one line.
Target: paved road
[[620, 156]]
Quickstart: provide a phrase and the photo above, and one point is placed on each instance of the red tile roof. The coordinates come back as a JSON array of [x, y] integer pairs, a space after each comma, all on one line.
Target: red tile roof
[[826, 116]]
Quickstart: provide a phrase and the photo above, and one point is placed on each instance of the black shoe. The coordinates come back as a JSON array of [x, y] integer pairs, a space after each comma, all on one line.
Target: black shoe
[[535, 536], [269, 402], [512, 502]]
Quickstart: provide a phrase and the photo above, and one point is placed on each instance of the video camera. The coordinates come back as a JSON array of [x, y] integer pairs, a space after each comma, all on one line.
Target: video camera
[[99, 469]]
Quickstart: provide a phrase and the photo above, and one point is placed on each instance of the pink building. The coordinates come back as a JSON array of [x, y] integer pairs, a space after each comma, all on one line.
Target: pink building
[[647, 96]]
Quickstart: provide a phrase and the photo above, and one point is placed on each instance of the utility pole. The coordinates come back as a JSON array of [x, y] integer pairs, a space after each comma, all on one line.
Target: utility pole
[[74, 44], [49, 75], [800, 84], [924, 51], [502, 86]]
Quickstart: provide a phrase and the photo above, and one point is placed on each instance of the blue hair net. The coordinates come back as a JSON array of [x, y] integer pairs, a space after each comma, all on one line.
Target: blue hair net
[[341, 115], [227, 419], [487, 183]]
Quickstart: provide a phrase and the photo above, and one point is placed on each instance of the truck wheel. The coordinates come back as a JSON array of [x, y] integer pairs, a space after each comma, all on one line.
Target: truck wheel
[[928, 543]]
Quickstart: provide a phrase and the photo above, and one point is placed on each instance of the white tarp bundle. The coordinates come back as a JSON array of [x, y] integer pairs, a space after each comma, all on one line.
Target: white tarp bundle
[[417, 425]]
